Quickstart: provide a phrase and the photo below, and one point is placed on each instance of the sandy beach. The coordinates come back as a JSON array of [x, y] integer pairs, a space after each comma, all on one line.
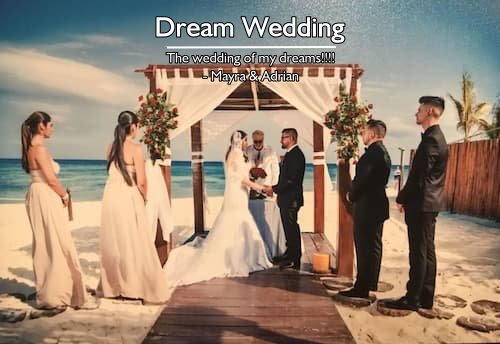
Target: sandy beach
[[468, 251]]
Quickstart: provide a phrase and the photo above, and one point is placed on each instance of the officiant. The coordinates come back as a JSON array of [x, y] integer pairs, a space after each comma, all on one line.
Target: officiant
[[265, 171]]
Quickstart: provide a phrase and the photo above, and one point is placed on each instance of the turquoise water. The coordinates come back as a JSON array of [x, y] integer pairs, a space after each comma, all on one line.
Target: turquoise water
[[86, 179]]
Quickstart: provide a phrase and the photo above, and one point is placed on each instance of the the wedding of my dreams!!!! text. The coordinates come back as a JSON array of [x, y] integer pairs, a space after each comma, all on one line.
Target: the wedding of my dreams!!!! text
[[310, 28]]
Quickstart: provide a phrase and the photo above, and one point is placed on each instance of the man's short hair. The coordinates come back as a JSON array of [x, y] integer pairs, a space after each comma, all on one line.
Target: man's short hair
[[292, 132], [436, 102], [258, 132], [378, 127]]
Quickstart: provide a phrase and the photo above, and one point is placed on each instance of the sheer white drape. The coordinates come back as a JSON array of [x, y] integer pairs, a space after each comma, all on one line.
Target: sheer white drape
[[218, 122], [194, 97], [313, 96]]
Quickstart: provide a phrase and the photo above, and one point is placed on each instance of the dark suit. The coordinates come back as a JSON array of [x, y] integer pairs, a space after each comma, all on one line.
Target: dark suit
[[290, 198], [371, 209], [422, 198]]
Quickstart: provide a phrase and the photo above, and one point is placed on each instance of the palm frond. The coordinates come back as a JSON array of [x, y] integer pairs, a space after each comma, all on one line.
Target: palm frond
[[460, 108], [467, 93], [481, 109], [483, 124]]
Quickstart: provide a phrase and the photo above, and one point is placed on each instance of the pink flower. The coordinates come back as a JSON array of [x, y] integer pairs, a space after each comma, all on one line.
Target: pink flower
[[159, 90], [370, 106], [141, 98], [174, 110]]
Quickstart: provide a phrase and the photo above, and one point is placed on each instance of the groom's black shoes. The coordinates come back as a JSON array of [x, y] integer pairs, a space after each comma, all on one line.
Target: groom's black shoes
[[353, 292], [403, 303], [288, 264], [279, 259]]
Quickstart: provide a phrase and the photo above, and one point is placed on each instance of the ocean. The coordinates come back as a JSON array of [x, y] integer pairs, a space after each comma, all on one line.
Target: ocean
[[86, 179]]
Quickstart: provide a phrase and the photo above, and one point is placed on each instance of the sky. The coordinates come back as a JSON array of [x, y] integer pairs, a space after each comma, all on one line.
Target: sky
[[76, 61]]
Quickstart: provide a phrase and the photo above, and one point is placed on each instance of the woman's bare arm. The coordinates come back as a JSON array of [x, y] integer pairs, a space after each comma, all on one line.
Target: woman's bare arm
[[140, 171]]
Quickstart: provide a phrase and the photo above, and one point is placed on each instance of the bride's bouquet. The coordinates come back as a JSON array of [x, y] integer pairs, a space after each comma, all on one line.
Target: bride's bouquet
[[157, 117]]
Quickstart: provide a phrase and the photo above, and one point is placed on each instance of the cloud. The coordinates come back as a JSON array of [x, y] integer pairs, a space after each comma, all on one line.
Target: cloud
[[102, 39], [23, 70], [67, 45], [25, 107], [378, 86], [131, 53], [79, 42], [382, 84]]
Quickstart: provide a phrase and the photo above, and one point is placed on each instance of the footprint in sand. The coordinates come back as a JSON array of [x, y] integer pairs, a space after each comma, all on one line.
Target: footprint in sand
[[49, 313], [435, 313], [486, 307], [12, 315], [449, 301], [482, 324]]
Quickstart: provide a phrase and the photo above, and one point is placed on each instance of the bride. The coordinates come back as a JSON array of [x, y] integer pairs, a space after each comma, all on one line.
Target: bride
[[234, 247]]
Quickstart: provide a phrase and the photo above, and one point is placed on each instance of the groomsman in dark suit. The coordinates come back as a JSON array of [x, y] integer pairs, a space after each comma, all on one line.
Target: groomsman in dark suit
[[371, 208], [421, 199], [290, 197]]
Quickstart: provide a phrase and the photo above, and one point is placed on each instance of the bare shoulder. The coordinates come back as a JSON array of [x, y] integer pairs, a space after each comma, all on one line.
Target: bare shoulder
[[137, 149], [39, 150]]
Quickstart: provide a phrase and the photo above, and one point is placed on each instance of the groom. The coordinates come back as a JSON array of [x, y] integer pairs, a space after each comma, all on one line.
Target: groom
[[290, 197]]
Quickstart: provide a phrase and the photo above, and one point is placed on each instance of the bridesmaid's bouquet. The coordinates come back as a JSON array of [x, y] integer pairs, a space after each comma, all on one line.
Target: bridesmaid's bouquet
[[346, 122], [157, 117]]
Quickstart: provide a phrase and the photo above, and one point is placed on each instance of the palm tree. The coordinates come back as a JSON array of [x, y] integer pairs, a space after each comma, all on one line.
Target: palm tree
[[470, 113], [493, 129]]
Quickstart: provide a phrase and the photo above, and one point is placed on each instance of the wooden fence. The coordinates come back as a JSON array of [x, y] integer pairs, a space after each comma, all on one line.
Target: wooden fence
[[473, 179]]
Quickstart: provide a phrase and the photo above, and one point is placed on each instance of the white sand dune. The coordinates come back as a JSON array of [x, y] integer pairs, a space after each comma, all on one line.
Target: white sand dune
[[468, 266]]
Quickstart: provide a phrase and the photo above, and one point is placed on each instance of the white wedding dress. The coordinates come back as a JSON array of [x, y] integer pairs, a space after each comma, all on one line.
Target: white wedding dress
[[234, 246]]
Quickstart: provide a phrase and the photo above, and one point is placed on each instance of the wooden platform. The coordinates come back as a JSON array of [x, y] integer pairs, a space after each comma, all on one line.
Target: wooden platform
[[270, 306]]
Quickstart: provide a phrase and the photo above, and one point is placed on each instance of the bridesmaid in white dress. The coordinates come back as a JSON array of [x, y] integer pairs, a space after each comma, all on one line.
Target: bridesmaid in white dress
[[58, 275], [234, 246], [129, 263]]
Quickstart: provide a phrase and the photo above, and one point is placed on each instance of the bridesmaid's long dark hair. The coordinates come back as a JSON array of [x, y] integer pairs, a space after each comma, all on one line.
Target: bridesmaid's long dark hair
[[122, 129], [28, 129], [243, 135]]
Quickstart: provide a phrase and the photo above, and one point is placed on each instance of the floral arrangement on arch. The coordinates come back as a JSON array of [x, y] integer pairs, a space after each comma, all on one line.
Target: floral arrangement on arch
[[346, 122], [157, 117]]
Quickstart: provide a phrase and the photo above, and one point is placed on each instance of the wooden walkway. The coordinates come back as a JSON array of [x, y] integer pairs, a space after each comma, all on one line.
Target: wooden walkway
[[270, 306]]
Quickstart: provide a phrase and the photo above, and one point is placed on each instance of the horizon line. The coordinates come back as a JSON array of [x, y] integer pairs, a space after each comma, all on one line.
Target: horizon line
[[189, 47], [221, 161]]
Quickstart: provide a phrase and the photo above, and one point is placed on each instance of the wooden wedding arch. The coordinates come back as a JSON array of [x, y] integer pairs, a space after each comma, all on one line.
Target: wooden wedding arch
[[252, 95]]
